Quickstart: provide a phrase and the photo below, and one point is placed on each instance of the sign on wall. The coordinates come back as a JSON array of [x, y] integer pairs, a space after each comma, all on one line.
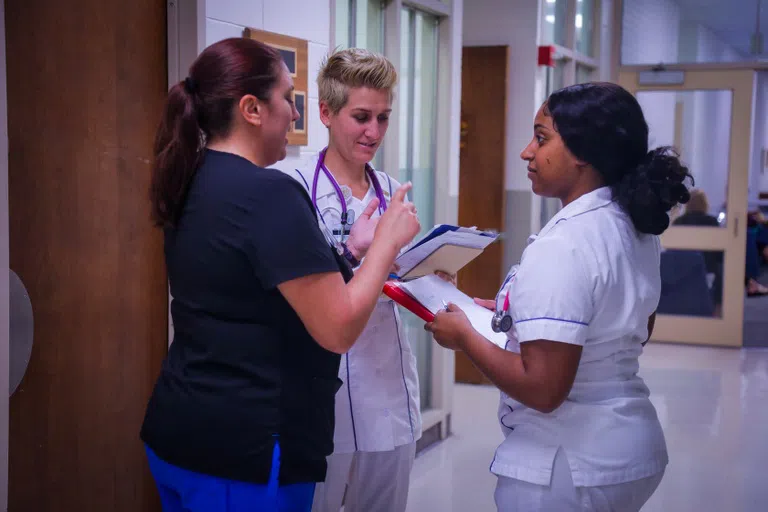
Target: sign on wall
[[294, 52]]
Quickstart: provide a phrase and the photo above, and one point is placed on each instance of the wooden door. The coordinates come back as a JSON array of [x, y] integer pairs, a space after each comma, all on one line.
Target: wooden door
[[86, 85], [481, 181]]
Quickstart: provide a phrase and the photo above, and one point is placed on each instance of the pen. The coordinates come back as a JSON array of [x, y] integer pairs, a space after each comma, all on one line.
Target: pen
[[445, 306]]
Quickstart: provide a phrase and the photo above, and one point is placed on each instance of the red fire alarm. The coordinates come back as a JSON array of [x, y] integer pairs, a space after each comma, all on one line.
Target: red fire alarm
[[547, 56]]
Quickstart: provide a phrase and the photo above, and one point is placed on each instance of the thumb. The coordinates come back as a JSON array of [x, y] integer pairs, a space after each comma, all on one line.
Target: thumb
[[453, 308], [370, 208], [400, 193], [486, 303]]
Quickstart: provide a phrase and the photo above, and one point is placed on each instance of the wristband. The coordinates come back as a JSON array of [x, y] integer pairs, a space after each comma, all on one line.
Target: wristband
[[350, 257]]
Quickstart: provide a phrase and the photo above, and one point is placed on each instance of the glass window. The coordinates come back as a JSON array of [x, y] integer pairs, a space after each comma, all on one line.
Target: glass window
[[684, 32], [369, 25], [417, 93], [553, 22], [556, 76], [698, 124], [584, 29], [342, 24], [359, 24], [583, 73]]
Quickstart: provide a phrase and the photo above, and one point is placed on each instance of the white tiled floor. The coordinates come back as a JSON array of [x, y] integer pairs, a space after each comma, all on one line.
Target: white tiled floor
[[713, 404]]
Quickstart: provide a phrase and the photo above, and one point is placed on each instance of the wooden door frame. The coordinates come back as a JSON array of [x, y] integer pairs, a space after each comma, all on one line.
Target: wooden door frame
[[4, 264], [729, 329], [186, 39]]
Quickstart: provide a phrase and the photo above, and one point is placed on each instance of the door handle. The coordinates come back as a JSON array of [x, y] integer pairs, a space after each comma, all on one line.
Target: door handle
[[736, 226]]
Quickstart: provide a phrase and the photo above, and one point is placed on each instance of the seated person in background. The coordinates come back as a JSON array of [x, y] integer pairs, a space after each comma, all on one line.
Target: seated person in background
[[759, 222], [696, 214], [757, 239], [697, 211]]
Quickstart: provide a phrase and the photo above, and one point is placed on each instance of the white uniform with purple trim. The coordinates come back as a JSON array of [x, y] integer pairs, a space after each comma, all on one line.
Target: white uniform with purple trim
[[378, 418], [590, 279]]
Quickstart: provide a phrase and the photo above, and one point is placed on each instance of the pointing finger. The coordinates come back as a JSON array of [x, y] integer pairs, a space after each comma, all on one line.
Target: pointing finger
[[400, 193]]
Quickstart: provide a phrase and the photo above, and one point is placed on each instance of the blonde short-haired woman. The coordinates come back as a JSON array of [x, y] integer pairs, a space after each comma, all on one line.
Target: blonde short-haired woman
[[377, 409]]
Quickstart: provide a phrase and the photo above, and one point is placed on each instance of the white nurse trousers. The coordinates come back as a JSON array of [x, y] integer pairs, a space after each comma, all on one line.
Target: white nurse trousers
[[514, 495]]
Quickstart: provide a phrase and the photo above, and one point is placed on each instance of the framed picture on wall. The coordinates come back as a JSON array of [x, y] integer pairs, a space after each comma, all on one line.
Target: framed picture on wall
[[294, 53], [300, 100]]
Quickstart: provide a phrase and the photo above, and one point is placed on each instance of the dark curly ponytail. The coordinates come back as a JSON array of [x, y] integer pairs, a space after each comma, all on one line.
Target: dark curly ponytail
[[602, 124], [652, 189]]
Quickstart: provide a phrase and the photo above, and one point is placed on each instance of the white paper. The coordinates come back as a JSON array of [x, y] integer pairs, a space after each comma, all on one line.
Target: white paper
[[431, 291], [463, 237]]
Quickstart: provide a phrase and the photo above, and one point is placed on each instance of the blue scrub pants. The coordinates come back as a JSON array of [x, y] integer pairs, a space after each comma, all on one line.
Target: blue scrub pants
[[186, 491]]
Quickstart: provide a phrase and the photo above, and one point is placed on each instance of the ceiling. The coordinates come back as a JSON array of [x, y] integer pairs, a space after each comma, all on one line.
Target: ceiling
[[732, 20]]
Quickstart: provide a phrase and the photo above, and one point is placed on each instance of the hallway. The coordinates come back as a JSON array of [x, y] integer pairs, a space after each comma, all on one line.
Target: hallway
[[713, 405]]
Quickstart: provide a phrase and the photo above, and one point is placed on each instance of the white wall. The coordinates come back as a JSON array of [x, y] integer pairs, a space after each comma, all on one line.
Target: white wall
[[516, 24], [4, 327], [305, 19]]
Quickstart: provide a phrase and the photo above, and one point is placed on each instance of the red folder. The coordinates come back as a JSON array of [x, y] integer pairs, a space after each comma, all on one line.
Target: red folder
[[394, 292]]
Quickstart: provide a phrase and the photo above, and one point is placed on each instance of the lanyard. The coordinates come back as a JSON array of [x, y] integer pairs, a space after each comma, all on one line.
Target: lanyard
[[505, 305], [502, 320]]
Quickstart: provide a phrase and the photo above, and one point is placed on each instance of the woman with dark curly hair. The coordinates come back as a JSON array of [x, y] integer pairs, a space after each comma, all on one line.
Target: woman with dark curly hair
[[580, 431]]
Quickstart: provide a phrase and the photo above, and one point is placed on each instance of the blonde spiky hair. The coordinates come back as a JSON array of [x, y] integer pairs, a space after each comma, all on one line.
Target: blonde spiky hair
[[351, 68]]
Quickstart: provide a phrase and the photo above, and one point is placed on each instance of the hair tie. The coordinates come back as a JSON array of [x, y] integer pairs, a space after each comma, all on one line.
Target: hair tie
[[190, 85]]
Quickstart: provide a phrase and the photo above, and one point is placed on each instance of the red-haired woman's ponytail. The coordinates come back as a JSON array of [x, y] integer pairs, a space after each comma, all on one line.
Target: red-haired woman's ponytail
[[199, 108]]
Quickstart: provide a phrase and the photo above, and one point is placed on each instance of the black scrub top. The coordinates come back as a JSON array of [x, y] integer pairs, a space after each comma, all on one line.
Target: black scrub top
[[243, 372]]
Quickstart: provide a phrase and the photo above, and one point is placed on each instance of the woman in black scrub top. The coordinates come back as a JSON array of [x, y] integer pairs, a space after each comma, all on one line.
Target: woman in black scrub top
[[241, 416]]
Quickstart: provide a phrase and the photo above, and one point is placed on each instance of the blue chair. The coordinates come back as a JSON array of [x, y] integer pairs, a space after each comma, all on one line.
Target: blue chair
[[684, 289]]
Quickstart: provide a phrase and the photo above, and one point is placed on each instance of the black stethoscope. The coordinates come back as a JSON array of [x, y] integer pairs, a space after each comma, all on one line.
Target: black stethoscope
[[346, 219]]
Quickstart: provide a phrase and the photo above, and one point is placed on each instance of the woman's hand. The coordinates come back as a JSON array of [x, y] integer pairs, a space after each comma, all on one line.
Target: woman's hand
[[486, 303], [361, 234], [451, 327], [399, 224], [445, 276]]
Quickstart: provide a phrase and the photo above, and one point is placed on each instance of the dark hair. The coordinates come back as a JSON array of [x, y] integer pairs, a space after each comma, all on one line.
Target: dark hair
[[200, 108], [603, 125]]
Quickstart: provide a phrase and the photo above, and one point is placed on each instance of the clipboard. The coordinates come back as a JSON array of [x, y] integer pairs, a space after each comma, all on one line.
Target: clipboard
[[449, 258], [394, 292]]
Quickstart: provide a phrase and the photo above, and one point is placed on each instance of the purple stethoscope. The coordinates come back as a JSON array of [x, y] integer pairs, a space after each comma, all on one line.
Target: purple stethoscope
[[345, 220]]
